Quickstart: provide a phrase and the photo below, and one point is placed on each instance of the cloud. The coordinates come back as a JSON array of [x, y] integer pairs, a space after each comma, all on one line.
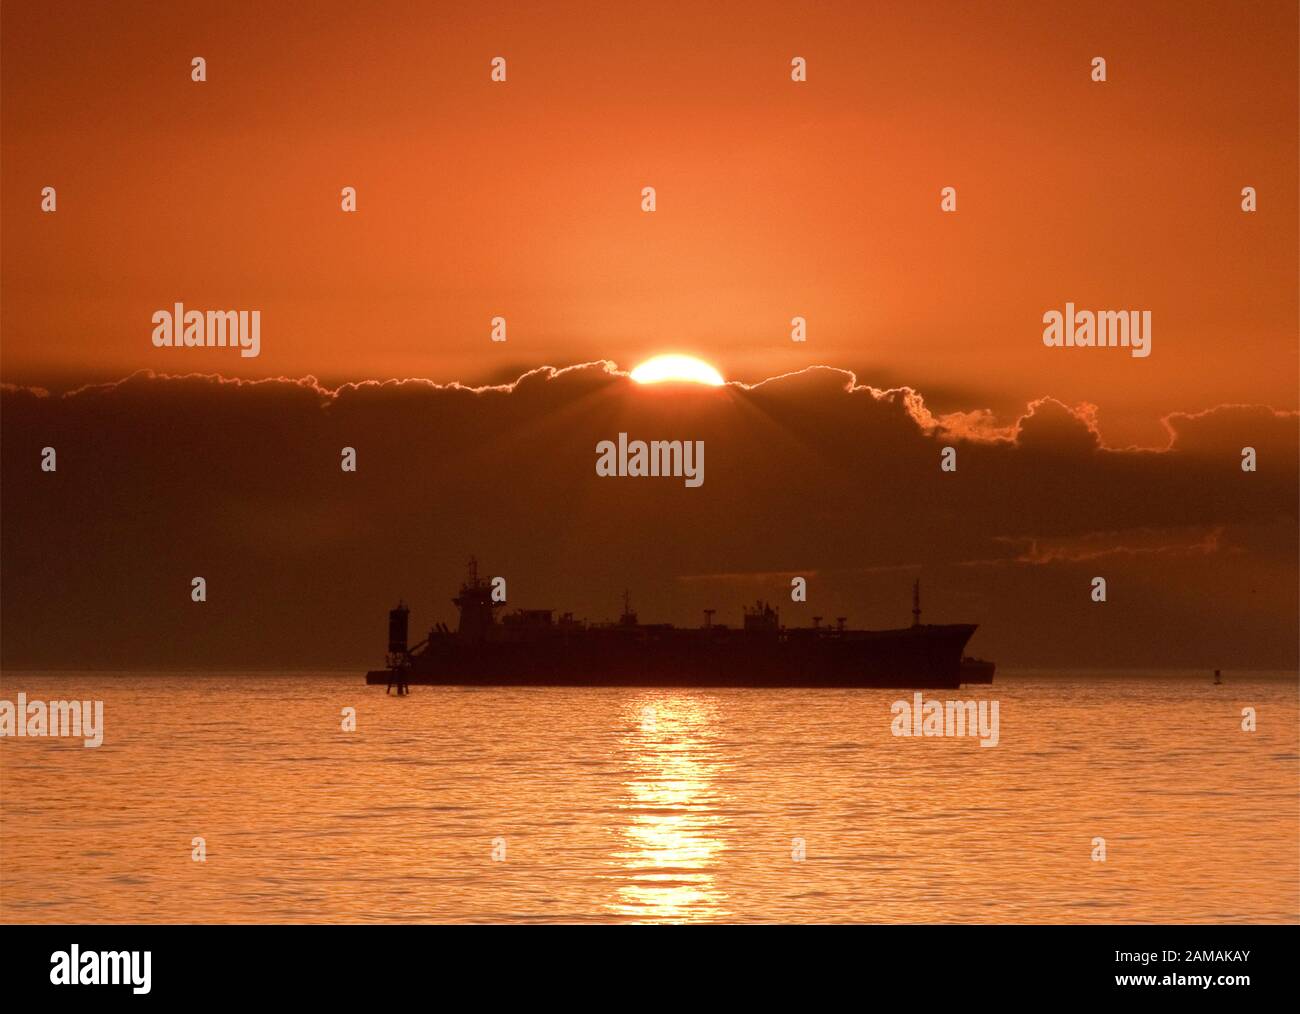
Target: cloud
[[1103, 545], [162, 478]]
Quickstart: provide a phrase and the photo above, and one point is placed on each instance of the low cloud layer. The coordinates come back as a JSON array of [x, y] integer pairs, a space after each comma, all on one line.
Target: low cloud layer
[[160, 479]]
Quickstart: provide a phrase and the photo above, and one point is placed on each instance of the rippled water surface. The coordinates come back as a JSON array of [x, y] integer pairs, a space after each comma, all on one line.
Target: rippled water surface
[[644, 805]]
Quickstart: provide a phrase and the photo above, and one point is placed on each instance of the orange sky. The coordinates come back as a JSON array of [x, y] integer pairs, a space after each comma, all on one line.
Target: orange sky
[[775, 199]]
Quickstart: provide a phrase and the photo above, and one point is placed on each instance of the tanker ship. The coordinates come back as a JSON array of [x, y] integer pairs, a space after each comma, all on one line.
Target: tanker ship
[[532, 647]]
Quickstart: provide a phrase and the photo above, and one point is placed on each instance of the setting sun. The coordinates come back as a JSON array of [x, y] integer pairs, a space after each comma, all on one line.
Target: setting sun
[[679, 368]]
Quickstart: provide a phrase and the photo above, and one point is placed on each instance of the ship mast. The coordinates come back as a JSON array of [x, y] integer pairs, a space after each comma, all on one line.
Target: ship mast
[[628, 619], [916, 603], [475, 605]]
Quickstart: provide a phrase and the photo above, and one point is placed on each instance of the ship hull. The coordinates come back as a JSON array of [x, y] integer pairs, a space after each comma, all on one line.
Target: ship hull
[[976, 670], [914, 658]]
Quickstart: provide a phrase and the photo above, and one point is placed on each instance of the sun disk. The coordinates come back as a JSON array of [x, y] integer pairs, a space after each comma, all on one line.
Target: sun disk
[[685, 369]]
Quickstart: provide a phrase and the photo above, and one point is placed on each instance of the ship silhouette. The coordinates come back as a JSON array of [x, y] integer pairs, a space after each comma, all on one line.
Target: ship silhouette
[[531, 647]]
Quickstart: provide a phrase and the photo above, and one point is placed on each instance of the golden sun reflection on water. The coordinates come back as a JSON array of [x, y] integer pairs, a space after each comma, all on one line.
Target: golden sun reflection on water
[[671, 841], [685, 812]]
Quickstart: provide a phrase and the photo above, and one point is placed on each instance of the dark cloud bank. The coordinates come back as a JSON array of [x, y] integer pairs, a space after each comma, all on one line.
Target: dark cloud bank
[[161, 479]]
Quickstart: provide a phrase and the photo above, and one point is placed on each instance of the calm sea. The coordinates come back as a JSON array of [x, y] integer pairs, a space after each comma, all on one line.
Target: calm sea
[[640, 805]]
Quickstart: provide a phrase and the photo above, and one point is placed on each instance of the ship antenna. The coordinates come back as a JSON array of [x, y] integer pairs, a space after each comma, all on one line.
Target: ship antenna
[[916, 603], [473, 570]]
